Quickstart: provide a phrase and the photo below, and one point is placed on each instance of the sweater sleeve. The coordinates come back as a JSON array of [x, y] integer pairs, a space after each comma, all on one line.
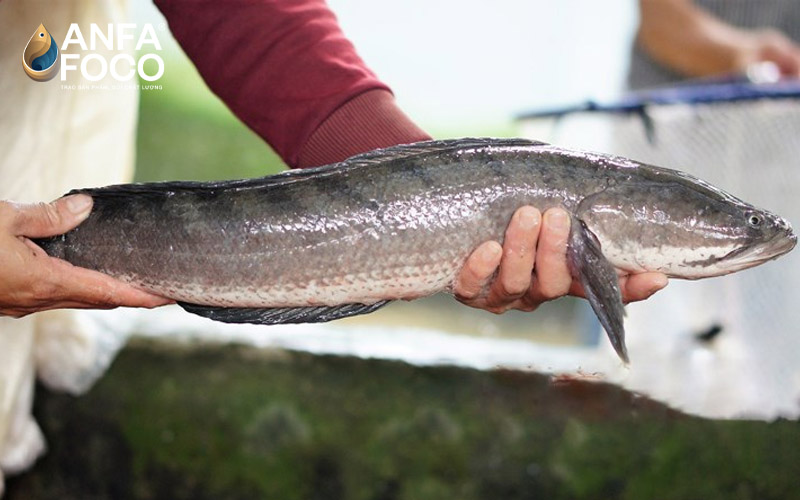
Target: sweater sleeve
[[285, 68]]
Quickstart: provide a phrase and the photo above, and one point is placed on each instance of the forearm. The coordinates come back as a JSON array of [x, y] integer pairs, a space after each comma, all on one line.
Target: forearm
[[285, 68], [689, 40]]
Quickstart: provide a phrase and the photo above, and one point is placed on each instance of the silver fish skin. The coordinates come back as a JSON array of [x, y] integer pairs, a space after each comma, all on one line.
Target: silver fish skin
[[398, 223]]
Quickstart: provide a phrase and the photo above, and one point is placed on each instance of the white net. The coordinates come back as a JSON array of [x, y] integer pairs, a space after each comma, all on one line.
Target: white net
[[751, 149]]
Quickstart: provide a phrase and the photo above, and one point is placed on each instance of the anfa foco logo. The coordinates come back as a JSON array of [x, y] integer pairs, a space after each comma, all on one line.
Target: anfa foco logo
[[42, 58]]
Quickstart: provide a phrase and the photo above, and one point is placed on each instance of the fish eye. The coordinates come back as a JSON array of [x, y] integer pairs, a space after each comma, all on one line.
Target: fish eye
[[41, 35], [754, 220]]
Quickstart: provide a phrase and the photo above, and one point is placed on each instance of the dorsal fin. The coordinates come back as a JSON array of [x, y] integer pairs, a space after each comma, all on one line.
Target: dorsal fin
[[162, 188], [403, 151], [431, 147]]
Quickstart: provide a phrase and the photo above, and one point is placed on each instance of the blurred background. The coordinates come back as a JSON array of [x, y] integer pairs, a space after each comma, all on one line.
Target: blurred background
[[431, 399], [456, 67]]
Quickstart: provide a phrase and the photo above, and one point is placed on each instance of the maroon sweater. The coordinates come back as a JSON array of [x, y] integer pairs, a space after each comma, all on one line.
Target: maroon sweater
[[285, 69]]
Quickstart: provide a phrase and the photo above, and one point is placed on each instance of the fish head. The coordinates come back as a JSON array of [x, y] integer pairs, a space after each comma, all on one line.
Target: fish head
[[674, 223], [766, 236]]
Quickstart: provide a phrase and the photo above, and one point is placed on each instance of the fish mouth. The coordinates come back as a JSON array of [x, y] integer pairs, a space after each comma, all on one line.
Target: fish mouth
[[785, 239], [749, 256]]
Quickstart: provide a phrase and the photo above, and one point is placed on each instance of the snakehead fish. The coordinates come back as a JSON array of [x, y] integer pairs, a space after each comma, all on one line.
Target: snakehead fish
[[398, 223]]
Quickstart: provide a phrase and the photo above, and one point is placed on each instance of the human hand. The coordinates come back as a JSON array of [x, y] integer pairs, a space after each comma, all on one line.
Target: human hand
[[533, 267], [769, 46], [32, 281], [690, 40]]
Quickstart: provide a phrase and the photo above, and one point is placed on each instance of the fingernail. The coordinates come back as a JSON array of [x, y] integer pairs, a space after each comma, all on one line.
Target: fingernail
[[557, 218], [78, 204], [529, 218]]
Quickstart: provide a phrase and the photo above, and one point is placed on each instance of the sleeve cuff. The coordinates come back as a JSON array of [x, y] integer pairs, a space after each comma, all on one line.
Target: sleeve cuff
[[370, 120]]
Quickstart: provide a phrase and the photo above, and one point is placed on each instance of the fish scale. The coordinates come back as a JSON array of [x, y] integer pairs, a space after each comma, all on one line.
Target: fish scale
[[399, 223]]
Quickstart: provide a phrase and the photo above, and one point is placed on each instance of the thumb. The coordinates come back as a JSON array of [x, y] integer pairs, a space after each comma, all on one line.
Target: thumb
[[41, 220]]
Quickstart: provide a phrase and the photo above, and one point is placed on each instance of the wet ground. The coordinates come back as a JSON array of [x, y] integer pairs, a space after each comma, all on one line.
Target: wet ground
[[191, 421]]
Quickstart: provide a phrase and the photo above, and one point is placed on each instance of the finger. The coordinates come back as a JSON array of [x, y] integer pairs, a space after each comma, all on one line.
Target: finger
[[793, 70], [479, 267], [553, 278], [641, 286], [49, 219], [519, 253], [20, 312], [787, 63], [634, 287], [576, 289], [79, 285]]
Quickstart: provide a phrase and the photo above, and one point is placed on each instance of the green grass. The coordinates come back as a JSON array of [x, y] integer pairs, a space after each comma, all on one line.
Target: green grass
[[233, 422]]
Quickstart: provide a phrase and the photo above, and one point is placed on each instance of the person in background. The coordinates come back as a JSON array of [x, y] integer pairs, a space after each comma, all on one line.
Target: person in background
[[679, 39]]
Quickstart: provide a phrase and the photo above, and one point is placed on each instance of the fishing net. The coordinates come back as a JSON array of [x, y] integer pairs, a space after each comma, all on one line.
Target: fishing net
[[726, 346]]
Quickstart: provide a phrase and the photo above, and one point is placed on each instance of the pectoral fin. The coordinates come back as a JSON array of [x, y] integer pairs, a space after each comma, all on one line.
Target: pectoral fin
[[600, 282]]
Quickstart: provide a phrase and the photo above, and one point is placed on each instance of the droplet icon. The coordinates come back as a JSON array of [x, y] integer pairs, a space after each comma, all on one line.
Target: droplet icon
[[40, 58]]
